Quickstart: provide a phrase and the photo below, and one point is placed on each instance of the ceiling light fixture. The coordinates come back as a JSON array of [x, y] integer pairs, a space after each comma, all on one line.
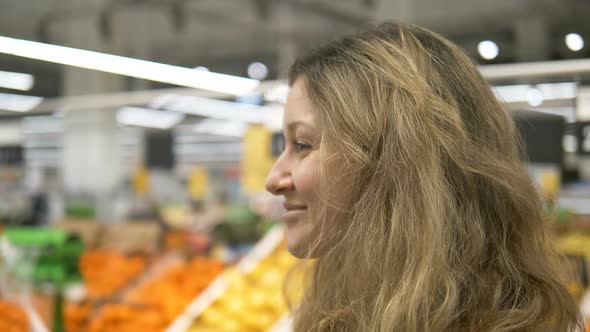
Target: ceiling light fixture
[[257, 70], [145, 117], [16, 81], [115, 64], [221, 128], [488, 49], [223, 110], [534, 97], [18, 103], [574, 42]]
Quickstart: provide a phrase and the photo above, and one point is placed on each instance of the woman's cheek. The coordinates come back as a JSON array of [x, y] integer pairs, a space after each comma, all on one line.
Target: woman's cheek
[[306, 178]]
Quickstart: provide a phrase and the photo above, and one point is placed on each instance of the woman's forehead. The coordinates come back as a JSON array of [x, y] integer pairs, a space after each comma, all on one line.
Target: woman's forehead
[[299, 109]]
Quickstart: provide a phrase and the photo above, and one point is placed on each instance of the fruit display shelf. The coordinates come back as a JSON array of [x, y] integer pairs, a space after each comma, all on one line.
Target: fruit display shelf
[[238, 291], [20, 315], [152, 301]]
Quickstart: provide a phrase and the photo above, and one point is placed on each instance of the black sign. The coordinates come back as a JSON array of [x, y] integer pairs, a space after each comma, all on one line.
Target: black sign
[[11, 155], [160, 150], [542, 135], [277, 144]]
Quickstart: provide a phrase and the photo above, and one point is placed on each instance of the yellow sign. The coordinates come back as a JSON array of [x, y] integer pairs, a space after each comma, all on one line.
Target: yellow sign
[[198, 183], [141, 181], [550, 183], [256, 160]]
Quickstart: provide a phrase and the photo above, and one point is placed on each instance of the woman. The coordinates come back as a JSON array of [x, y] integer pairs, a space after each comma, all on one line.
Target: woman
[[402, 177]]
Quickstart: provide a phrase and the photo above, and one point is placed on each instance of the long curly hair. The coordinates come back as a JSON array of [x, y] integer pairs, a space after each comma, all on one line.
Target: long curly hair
[[444, 230]]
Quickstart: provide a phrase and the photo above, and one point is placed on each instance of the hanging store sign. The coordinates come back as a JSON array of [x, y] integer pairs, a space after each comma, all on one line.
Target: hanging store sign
[[256, 159], [11, 155]]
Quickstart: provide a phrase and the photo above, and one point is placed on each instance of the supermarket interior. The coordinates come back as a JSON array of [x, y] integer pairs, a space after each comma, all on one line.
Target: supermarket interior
[[136, 136]]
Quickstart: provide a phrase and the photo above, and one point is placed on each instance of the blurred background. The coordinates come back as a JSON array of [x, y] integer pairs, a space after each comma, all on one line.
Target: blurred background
[[135, 137]]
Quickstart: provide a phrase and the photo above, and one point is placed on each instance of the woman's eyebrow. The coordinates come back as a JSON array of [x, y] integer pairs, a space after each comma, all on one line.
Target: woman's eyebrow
[[291, 126]]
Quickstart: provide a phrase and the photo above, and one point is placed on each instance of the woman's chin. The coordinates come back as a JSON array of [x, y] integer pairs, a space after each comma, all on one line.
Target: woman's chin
[[299, 238]]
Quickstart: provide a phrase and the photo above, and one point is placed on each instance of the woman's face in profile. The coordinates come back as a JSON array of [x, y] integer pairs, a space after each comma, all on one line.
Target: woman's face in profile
[[295, 175]]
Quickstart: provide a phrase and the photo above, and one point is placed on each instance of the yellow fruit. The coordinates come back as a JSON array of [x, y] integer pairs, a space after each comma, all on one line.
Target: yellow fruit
[[252, 322], [229, 325], [266, 319], [256, 274], [252, 302], [212, 317], [277, 302], [257, 299], [199, 328], [272, 278], [238, 286], [285, 260], [236, 306]]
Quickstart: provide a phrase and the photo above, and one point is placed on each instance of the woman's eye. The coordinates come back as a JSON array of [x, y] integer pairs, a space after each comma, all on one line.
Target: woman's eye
[[300, 147]]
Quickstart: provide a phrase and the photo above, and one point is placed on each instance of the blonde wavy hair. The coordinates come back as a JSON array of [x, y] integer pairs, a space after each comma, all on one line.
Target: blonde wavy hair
[[445, 230]]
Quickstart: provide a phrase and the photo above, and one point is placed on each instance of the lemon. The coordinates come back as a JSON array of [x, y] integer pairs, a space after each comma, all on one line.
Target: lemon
[[257, 299], [212, 317]]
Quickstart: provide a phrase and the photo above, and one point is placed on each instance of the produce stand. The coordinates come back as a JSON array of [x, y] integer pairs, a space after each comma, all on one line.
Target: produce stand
[[263, 249]]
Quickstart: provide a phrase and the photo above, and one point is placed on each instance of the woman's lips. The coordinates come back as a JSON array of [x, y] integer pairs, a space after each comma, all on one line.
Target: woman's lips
[[294, 215], [294, 212], [294, 206]]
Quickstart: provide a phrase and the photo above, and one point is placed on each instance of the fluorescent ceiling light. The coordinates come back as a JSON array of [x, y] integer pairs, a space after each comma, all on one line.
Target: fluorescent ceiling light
[[18, 103], [144, 117], [16, 81], [153, 71], [221, 128], [223, 110]]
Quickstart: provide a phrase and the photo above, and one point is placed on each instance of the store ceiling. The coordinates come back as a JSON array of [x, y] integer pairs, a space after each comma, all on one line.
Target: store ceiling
[[227, 35]]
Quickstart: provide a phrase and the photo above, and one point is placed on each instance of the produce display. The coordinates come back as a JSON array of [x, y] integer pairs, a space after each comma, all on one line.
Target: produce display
[[574, 243], [13, 318], [251, 302], [576, 247], [172, 291], [76, 315], [105, 272], [124, 291], [152, 305], [127, 318]]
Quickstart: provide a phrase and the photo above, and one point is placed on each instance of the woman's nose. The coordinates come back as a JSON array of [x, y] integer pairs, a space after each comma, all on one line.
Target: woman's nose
[[279, 179]]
